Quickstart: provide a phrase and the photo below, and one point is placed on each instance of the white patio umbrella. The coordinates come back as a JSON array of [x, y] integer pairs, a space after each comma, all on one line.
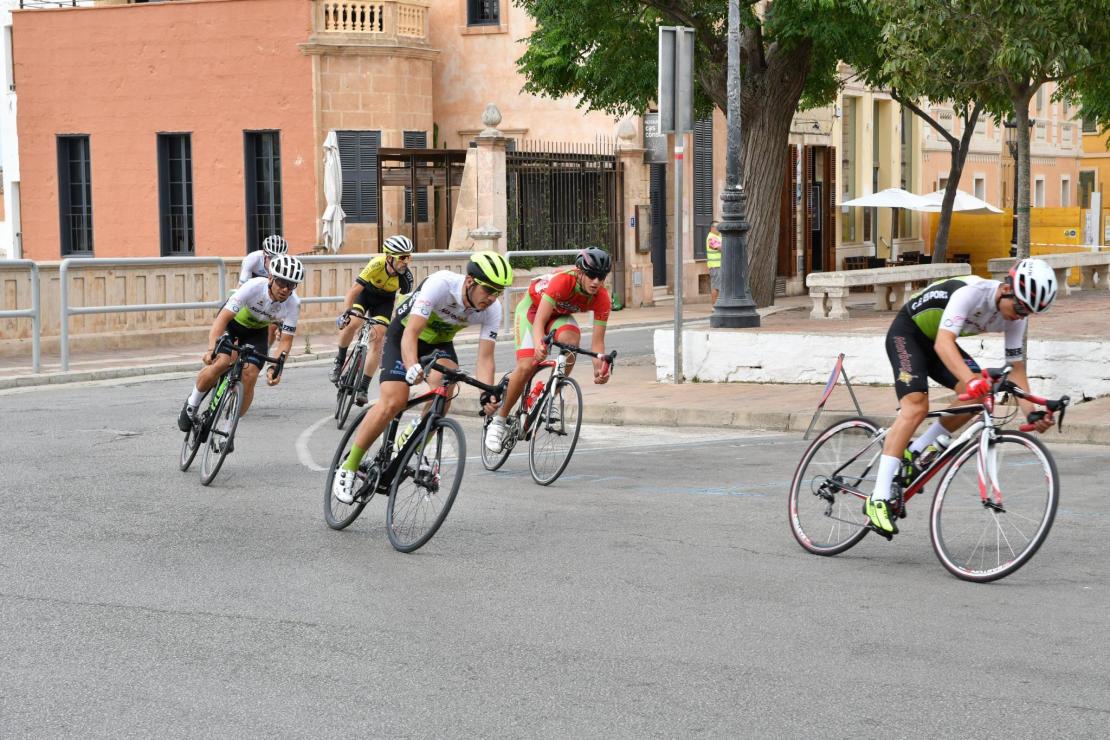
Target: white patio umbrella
[[964, 203], [331, 223], [890, 198]]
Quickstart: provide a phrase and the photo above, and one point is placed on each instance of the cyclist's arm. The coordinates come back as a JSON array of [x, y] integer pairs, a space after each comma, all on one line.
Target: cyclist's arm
[[410, 353], [601, 367], [219, 327], [484, 368], [544, 313], [285, 345], [352, 296], [1021, 379]]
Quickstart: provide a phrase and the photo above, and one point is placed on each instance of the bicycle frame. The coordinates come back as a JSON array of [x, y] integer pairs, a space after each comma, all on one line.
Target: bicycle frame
[[982, 432]]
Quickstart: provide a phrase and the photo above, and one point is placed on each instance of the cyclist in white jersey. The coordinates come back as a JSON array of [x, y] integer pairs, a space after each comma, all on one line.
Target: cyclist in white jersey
[[246, 317], [257, 263], [427, 321]]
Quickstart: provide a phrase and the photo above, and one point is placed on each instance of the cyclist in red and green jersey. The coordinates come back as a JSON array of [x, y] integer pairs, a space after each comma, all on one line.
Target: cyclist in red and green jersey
[[550, 304]]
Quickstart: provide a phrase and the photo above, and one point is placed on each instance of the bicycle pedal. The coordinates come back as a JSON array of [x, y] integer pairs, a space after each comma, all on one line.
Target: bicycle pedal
[[888, 535]]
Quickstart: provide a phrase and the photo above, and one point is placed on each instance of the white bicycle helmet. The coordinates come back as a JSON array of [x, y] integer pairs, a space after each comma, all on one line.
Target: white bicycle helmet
[[1034, 284], [399, 244], [288, 268], [274, 245]]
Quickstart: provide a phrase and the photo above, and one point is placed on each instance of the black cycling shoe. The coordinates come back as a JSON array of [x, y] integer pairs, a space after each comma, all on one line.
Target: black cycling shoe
[[336, 368], [185, 419]]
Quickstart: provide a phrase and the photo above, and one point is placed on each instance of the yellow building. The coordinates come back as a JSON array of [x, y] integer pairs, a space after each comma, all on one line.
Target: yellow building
[[1094, 173]]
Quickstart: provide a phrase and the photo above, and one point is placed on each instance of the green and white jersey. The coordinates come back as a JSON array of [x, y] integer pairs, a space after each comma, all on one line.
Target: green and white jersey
[[964, 306], [255, 309], [439, 299]]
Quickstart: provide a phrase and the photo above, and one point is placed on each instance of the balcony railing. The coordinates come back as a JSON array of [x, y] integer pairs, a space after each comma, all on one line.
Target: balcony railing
[[376, 18]]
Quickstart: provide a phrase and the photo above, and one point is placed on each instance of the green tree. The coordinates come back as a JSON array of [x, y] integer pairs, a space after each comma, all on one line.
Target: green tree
[[605, 53], [1000, 52]]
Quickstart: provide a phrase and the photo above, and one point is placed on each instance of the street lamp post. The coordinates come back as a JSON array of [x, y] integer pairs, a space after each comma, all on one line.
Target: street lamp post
[[735, 308], [1012, 145]]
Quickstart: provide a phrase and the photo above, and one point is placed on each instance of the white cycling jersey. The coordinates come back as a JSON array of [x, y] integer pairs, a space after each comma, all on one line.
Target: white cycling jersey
[[255, 309], [254, 265], [972, 309], [440, 300]]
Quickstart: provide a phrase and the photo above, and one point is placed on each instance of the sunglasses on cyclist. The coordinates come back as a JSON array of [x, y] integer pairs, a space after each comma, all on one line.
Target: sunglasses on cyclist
[[1020, 308], [283, 283], [595, 275], [402, 257], [494, 292]]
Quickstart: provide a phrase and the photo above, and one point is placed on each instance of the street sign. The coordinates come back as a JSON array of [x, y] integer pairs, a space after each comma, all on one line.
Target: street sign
[[655, 141], [676, 79]]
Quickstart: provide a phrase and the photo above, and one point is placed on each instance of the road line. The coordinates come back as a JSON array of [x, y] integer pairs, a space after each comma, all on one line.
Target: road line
[[302, 445]]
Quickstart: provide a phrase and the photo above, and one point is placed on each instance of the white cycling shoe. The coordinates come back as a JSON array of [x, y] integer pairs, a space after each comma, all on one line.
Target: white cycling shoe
[[495, 434], [343, 486]]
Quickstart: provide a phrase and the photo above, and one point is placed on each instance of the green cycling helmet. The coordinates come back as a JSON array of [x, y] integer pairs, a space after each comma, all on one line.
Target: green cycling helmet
[[491, 269]]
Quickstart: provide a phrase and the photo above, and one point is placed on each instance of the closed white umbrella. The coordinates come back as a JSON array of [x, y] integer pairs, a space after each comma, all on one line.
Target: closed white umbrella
[[964, 203], [331, 223]]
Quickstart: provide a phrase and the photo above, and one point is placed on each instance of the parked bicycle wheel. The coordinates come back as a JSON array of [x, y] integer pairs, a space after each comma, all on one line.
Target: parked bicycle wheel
[[425, 486], [349, 381], [555, 432], [984, 542], [337, 514], [825, 518], [221, 434]]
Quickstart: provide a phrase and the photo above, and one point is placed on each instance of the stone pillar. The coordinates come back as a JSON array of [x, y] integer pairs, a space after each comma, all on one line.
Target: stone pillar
[[637, 265], [481, 217]]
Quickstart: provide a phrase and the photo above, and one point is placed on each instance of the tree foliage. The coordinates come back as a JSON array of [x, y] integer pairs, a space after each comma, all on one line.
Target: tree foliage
[[605, 53]]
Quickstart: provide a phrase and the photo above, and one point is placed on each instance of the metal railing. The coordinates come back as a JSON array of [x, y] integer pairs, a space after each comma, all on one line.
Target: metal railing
[[361, 259], [34, 312], [67, 310]]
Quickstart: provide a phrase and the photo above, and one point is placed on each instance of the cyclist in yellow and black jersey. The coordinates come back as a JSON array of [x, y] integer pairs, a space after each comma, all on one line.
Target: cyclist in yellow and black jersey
[[373, 295]]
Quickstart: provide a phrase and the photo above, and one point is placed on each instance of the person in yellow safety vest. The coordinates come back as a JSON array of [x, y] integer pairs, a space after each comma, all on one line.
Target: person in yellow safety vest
[[713, 261]]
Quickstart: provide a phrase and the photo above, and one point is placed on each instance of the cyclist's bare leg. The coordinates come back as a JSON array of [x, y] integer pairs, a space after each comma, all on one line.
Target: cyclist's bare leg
[[517, 378], [570, 335], [435, 379], [250, 377], [912, 411], [210, 374], [393, 396], [374, 350]]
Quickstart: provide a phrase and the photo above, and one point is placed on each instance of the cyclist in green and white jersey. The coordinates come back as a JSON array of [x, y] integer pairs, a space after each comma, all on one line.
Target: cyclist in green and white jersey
[[428, 321], [246, 317], [921, 344]]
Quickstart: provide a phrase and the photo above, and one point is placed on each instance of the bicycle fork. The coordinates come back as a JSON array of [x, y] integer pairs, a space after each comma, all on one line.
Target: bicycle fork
[[986, 469]]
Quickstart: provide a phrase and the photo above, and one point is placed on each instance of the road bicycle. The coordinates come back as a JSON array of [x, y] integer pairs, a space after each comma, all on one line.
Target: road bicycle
[[549, 417], [354, 367], [992, 509], [215, 426], [420, 472]]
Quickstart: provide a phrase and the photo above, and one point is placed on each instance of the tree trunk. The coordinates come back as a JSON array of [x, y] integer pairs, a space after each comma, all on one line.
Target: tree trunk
[[771, 89], [959, 159]]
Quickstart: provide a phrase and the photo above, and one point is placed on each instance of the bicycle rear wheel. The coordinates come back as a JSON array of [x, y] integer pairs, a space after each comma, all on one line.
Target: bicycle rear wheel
[[982, 542], [191, 444], [826, 517], [337, 514], [555, 435], [425, 486], [221, 434]]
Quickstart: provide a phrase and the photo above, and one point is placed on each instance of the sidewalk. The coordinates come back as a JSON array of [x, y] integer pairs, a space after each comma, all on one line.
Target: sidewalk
[[634, 396]]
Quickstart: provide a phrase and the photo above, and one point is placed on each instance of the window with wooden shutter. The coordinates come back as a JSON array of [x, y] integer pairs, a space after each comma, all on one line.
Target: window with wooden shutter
[[416, 140], [358, 155], [703, 184]]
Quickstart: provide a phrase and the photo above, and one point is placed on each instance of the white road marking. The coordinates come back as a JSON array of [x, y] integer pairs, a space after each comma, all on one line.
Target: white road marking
[[302, 445]]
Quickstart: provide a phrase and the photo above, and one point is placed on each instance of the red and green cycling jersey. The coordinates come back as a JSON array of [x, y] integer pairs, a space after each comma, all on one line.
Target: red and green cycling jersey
[[561, 290]]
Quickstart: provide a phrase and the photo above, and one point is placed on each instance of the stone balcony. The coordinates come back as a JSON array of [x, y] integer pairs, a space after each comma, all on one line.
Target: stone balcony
[[363, 23]]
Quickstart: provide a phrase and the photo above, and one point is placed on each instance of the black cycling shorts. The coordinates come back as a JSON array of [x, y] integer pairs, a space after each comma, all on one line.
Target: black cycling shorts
[[374, 303], [393, 367], [240, 334], [914, 360]]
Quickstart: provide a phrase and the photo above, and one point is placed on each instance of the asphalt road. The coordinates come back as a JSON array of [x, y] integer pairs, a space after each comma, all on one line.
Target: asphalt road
[[654, 590]]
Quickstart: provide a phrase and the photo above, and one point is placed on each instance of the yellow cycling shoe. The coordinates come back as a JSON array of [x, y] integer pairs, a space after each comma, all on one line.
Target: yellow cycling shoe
[[881, 516]]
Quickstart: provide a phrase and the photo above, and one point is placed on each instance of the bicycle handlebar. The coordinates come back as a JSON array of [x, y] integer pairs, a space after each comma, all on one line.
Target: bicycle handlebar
[[610, 358], [248, 351], [351, 313], [452, 374], [1001, 383]]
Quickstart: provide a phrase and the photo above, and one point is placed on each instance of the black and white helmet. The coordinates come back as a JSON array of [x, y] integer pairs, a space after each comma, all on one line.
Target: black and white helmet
[[399, 244], [288, 268], [274, 245], [1034, 284]]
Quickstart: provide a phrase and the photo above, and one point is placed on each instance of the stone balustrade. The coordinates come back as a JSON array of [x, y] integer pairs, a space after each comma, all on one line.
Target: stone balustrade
[[1092, 266], [892, 284], [374, 18]]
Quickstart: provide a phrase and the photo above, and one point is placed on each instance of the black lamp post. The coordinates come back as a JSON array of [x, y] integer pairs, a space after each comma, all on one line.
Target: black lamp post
[[735, 308], [1010, 125]]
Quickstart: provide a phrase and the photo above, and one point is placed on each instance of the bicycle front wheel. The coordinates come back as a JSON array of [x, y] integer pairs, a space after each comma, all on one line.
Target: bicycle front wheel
[[425, 486], [982, 541], [349, 381], [826, 505], [555, 433], [221, 434], [191, 444]]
